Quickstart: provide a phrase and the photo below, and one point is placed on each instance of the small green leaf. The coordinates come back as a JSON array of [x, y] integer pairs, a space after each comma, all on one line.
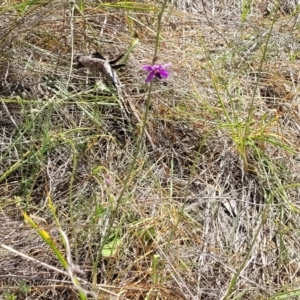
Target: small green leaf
[[111, 248]]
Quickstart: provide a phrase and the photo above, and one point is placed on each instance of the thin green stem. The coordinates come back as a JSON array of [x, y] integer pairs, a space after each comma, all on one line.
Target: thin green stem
[[135, 157], [263, 58], [159, 18]]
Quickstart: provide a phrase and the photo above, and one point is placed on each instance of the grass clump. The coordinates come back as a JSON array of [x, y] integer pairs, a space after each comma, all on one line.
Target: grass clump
[[185, 188]]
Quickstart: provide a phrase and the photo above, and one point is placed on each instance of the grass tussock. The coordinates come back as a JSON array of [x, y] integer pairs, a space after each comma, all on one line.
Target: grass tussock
[[186, 188]]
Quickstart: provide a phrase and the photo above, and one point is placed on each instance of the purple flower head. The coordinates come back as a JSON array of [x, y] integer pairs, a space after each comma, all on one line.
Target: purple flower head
[[159, 71]]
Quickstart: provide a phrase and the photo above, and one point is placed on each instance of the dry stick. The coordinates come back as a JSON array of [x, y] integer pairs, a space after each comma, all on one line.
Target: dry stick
[[103, 66], [137, 116], [97, 63], [4, 105], [134, 110], [12, 250], [9, 114]]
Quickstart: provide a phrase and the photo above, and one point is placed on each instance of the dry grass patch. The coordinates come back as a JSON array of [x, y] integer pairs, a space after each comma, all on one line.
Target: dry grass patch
[[206, 206]]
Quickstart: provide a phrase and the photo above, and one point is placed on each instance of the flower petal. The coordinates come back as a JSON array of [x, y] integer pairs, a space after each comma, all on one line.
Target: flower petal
[[148, 68], [166, 65], [163, 73], [150, 76]]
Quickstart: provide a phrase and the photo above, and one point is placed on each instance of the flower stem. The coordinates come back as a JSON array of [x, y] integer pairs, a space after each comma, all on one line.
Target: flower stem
[[159, 17]]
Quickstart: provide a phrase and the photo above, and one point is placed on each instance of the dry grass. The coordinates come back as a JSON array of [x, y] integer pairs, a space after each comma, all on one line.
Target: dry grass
[[210, 212]]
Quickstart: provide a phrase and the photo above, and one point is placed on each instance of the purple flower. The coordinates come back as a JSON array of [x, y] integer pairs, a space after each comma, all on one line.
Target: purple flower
[[159, 71]]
